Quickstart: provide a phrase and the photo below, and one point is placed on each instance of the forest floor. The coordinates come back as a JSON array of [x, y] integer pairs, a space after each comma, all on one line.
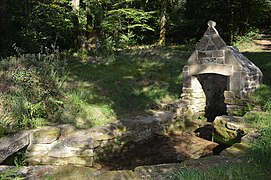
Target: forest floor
[[264, 42]]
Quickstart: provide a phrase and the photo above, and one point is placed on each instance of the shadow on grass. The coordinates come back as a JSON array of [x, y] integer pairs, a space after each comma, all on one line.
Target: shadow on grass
[[263, 61], [130, 82]]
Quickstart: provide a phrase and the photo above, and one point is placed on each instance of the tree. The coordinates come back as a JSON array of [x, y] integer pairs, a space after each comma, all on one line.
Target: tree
[[76, 5], [32, 24], [165, 5], [234, 17], [115, 23], [163, 21]]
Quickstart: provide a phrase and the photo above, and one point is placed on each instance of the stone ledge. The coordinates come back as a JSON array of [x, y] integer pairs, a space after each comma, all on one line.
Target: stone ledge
[[12, 143]]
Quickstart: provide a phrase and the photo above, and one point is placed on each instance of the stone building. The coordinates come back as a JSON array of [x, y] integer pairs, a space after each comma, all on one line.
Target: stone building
[[217, 78]]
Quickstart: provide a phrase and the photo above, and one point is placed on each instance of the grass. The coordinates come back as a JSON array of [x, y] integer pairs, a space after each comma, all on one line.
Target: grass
[[30, 91], [87, 89], [236, 171], [11, 174], [122, 85], [263, 61]]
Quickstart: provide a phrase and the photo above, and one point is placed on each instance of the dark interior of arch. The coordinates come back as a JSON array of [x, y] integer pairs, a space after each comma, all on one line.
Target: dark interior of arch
[[214, 86]]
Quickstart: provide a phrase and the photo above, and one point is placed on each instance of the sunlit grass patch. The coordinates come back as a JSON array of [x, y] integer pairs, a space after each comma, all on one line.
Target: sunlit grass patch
[[129, 84], [240, 171], [83, 113]]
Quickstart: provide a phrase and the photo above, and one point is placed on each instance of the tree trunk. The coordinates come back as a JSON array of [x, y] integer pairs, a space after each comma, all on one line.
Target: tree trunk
[[163, 21], [75, 5], [90, 32], [80, 38]]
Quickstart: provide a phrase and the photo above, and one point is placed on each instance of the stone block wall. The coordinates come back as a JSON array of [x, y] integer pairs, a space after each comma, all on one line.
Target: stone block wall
[[65, 145], [212, 57]]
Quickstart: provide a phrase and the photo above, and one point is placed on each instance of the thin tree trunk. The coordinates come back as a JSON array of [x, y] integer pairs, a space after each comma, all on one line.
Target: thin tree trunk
[[163, 21], [79, 40], [90, 32], [93, 33], [75, 5]]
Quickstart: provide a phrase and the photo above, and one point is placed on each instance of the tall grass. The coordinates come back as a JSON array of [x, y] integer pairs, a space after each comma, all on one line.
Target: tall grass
[[86, 89], [30, 92]]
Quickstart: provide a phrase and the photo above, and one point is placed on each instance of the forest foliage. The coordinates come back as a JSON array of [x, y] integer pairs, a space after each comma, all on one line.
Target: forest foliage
[[33, 25]]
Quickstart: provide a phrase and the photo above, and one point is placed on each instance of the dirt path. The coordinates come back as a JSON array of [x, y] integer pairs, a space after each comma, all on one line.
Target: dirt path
[[264, 42]]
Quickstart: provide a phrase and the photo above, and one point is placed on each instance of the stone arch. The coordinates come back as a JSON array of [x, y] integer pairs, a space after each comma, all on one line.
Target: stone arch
[[214, 86], [213, 62]]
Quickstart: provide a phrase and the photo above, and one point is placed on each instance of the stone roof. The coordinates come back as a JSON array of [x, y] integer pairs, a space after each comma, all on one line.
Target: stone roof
[[211, 39], [248, 66], [213, 50]]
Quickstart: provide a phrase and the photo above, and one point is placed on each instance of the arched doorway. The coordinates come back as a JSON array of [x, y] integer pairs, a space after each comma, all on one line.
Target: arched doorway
[[214, 86]]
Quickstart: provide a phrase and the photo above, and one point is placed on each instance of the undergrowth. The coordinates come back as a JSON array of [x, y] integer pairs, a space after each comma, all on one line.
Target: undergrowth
[[86, 89], [245, 43], [30, 91], [10, 174]]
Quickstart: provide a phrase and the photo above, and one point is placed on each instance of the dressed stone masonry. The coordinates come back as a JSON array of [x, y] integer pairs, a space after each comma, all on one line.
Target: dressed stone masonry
[[217, 78], [65, 145]]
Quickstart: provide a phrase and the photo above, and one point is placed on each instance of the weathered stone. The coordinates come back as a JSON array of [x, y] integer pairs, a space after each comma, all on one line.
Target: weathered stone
[[232, 126], [70, 172], [67, 172], [101, 133], [74, 160], [236, 150], [66, 129], [118, 175], [45, 135], [167, 171], [206, 163], [13, 143], [235, 101], [229, 94], [78, 140], [65, 151], [227, 129], [193, 147], [165, 115], [157, 171], [39, 149], [142, 128], [27, 172]]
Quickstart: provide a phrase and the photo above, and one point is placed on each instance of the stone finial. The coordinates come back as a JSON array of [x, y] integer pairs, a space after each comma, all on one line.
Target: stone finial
[[211, 28], [211, 23]]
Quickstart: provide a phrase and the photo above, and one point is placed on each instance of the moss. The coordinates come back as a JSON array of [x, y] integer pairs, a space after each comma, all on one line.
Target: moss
[[46, 134], [227, 136], [72, 172]]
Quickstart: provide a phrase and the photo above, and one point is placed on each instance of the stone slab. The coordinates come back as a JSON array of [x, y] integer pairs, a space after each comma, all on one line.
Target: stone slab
[[45, 135], [13, 143]]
